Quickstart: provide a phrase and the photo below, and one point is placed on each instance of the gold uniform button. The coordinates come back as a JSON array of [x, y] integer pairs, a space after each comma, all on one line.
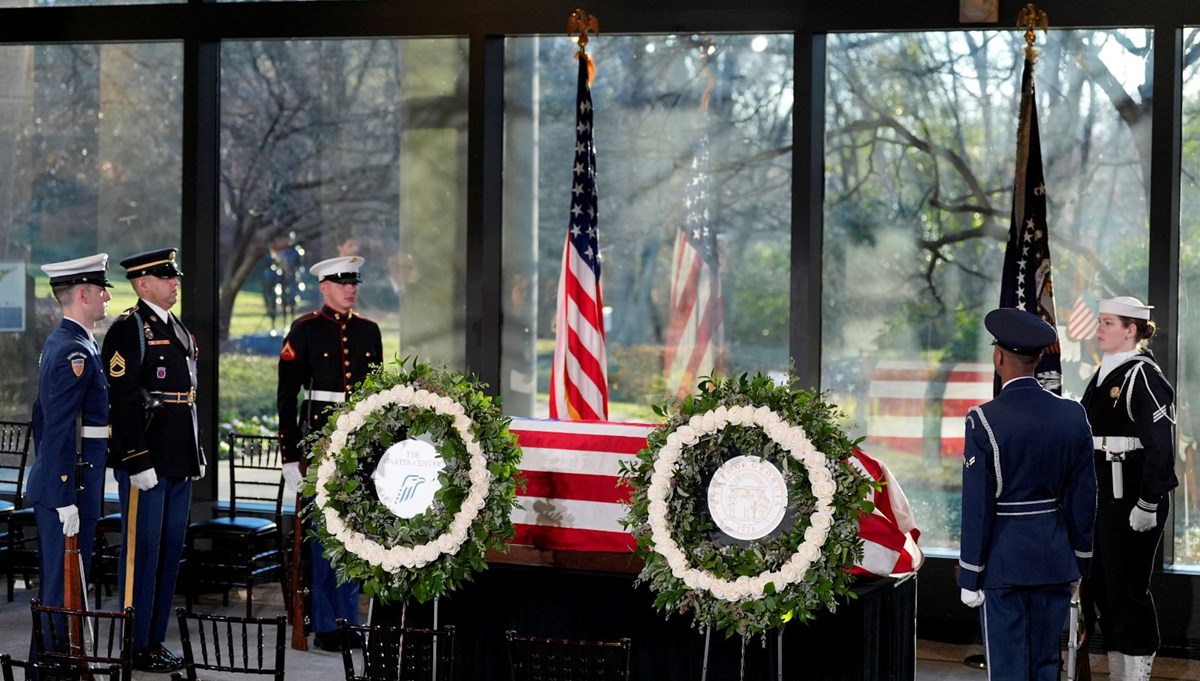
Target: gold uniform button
[[347, 374], [347, 362], [325, 354]]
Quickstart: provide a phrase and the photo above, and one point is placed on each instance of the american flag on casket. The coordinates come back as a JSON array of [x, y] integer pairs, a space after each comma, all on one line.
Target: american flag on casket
[[572, 500]]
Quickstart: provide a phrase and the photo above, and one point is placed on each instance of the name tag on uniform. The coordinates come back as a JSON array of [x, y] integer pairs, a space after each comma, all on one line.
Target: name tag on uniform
[[164, 341]]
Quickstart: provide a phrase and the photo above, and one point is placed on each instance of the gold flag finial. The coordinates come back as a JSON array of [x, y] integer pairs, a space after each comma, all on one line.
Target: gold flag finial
[[582, 23], [1031, 19]]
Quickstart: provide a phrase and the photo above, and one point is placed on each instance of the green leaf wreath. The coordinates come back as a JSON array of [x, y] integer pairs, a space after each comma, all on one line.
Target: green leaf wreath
[[436, 551], [748, 587]]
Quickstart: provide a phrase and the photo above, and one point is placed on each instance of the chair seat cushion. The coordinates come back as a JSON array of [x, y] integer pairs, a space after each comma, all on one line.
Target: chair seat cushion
[[235, 525]]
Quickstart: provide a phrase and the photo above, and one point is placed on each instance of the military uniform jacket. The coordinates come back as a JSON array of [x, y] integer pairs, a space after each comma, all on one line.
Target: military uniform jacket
[[70, 383], [1135, 400], [327, 352], [142, 351], [1029, 490]]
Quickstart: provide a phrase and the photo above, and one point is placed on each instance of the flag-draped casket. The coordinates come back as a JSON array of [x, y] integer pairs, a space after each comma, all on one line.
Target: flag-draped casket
[[573, 499]]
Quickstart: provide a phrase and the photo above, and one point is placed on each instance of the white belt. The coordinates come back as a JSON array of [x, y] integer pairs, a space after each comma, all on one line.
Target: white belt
[[96, 432], [324, 395], [1117, 443]]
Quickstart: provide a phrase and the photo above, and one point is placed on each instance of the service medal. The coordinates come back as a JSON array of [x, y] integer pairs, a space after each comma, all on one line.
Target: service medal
[[1115, 392]]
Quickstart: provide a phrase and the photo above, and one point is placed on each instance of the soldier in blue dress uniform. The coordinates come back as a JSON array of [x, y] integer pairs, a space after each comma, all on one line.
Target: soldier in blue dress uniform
[[325, 354], [151, 362], [70, 422], [1028, 505], [1131, 406]]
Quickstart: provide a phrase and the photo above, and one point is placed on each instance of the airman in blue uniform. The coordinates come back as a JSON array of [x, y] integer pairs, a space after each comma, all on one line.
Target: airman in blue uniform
[[1028, 505], [151, 358], [70, 423]]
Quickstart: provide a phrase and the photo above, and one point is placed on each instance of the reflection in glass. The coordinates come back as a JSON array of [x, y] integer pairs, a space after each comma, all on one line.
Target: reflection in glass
[[920, 148], [665, 161], [91, 162], [1187, 398], [330, 148]]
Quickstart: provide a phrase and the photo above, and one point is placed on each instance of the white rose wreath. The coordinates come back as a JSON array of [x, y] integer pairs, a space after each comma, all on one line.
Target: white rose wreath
[[433, 552], [747, 587]]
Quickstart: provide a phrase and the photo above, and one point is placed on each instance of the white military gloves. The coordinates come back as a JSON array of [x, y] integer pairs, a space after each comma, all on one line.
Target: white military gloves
[[292, 476], [1142, 521], [69, 515], [201, 475], [971, 599], [145, 480]]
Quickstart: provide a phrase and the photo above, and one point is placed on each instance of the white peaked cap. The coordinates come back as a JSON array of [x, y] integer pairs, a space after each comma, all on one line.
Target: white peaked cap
[[1126, 306], [342, 269], [90, 269]]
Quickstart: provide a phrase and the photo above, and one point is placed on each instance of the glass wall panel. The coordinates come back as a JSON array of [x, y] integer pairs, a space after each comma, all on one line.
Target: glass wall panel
[[920, 160], [77, 3], [1187, 398], [693, 138], [90, 162], [339, 147]]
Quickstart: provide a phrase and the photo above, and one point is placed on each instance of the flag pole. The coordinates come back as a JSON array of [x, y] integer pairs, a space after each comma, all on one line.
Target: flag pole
[[579, 375]]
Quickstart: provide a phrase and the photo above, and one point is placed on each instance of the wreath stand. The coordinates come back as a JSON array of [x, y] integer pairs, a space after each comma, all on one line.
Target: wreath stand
[[778, 671], [403, 613]]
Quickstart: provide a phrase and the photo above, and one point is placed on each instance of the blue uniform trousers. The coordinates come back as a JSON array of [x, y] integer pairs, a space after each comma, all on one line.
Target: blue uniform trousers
[[51, 548], [330, 601], [162, 519], [1021, 629]]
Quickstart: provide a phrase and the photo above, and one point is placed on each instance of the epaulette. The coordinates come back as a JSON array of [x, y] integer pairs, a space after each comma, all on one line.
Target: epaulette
[[128, 312], [307, 317], [362, 317]]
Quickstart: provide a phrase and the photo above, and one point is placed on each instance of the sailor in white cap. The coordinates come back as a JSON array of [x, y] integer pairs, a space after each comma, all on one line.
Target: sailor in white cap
[[1131, 406], [70, 422], [325, 354]]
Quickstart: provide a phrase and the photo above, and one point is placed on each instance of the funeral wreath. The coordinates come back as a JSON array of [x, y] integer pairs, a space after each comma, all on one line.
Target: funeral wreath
[[424, 531], [744, 508]]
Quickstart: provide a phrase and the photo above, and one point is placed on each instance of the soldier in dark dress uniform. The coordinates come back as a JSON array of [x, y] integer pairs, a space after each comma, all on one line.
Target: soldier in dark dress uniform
[[1132, 409], [151, 362], [325, 354], [70, 423], [1028, 505]]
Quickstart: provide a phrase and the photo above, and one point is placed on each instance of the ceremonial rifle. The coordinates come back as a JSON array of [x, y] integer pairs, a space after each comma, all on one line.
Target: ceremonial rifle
[[299, 637], [73, 585]]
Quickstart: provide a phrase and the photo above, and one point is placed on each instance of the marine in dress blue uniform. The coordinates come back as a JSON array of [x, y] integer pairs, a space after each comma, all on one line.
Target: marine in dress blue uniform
[[1028, 506], [70, 423], [1131, 406], [325, 354], [151, 359]]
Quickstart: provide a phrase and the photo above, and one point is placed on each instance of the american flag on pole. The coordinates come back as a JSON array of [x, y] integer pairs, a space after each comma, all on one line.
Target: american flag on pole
[[695, 328], [574, 501], [1025, 283], [579, 376]]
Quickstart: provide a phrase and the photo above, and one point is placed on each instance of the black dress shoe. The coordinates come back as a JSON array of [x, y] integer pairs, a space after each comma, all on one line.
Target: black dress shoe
[[148, 660], [167, 656], [327, 640]]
